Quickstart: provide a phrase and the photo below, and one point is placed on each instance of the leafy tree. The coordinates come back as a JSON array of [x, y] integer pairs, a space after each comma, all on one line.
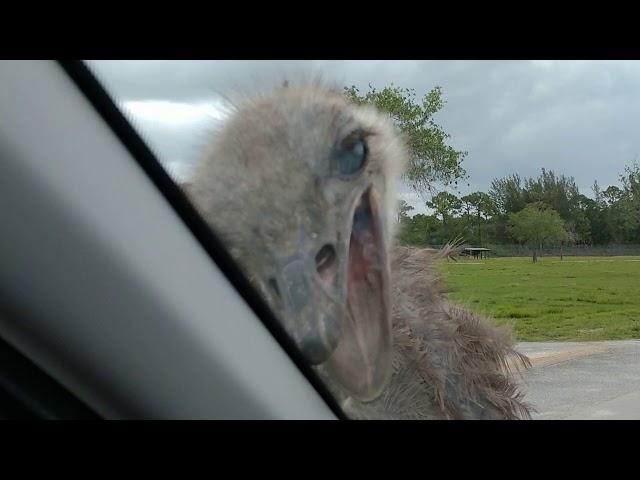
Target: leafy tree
[[467, 206], [445, 204], [432, 160], [557, 191], [508, 194], [482, 204], [418, 230], [631, 180], [618, 215], [536, 225], [631, 184], [612, 195], [586, 221], [621, 219], [597, 193]]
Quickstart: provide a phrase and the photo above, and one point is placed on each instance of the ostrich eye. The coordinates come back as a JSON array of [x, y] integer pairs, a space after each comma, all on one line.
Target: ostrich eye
[[352, 154]]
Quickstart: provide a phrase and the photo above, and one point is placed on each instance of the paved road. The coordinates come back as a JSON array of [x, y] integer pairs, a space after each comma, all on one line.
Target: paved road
[[583, 380]]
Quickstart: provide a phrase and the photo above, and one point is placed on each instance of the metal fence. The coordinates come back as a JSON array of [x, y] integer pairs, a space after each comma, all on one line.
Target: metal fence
[[515, 250], [567, 250]]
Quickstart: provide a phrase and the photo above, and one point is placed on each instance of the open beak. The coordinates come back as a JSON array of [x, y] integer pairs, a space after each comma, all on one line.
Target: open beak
[[362, 359], [338, 309]]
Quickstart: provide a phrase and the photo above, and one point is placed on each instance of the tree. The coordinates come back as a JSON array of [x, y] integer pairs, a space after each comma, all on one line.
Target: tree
[[631, 180], [586, 220], [403, 209], [417, 230], [536, 225], [482, 204], [467, 203], [431, 161], [619, 214], [631, 184], [612, 195], [445, 204], [507, 194], [557, 191]]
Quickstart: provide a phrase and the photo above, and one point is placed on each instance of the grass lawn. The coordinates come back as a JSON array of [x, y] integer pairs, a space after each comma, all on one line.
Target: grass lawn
[[580, 298]]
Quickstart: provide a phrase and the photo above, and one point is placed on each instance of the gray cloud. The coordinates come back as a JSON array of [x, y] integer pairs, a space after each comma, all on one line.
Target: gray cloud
[[579, 118]]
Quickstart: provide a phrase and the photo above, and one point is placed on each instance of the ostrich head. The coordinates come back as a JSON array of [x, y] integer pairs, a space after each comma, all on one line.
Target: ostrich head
[[300, 184]]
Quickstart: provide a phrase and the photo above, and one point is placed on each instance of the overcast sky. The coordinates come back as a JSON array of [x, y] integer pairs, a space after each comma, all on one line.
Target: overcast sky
[[580, 118]]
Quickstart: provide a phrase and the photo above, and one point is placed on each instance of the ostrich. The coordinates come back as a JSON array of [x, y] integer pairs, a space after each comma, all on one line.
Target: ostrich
[[300, 185]]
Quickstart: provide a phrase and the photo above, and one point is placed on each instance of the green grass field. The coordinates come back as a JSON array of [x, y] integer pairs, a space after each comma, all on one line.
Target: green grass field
[[580, 298]]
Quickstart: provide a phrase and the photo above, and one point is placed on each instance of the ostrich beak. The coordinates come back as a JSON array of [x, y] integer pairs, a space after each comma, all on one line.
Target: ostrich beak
[[362, 361], [338, 309], [314, 315]]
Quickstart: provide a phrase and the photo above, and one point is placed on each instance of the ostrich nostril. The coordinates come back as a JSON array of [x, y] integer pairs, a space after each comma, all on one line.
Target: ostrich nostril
[[325, 262], [273, 283]]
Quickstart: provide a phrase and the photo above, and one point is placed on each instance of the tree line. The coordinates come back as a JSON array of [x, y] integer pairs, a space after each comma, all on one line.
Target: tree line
[[537, 210]]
